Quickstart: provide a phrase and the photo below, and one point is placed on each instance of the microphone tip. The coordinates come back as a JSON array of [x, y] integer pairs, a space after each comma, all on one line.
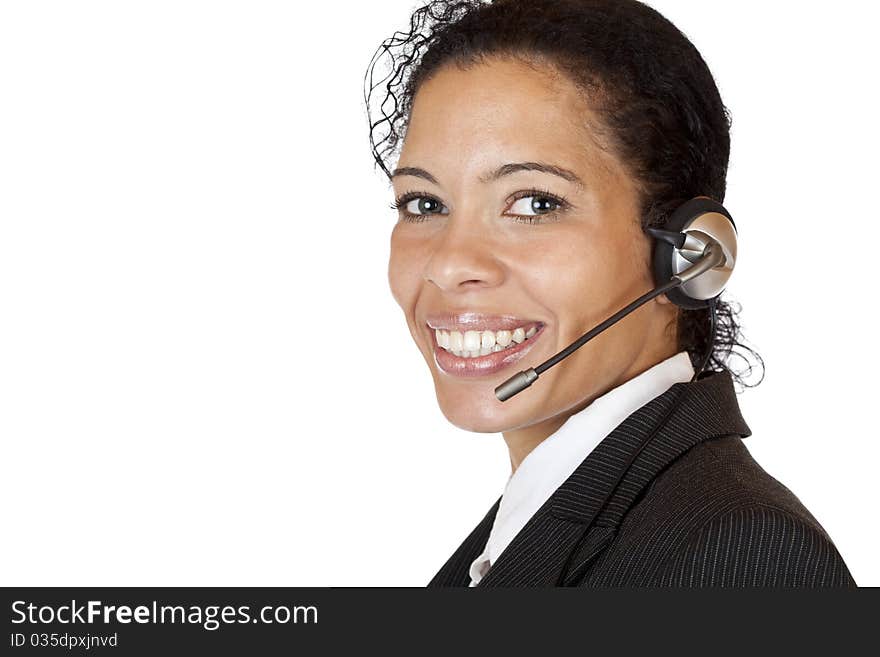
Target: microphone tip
[[516, 384]]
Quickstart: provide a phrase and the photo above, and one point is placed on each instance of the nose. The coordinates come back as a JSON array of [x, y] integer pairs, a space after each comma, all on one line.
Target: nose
[[463, 258]]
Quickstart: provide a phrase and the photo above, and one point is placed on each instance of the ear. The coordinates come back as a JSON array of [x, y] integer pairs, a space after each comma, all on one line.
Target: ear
[[663, 299]]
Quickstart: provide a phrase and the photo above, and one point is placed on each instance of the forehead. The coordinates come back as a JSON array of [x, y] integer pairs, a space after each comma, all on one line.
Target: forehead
[[466, 121]]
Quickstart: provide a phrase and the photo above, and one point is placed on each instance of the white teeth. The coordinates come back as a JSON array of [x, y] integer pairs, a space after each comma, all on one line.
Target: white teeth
[[455, 341], [472, 340], [472, 344]]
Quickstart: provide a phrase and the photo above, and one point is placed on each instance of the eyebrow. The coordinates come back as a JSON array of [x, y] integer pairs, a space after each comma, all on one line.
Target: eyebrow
[[504, 170]]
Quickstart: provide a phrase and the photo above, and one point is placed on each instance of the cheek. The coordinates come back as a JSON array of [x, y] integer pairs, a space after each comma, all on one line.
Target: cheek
[[576, 273], [403, 270]]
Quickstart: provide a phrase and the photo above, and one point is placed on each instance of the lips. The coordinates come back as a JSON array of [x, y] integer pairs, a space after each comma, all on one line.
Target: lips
[[474, 321]]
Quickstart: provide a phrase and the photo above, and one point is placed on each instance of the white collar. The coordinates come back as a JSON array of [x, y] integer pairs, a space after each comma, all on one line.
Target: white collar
[[554, 459]]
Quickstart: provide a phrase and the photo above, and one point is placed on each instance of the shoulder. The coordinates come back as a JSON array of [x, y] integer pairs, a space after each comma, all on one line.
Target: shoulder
[[720, 474], [756, 545], [714, 517]]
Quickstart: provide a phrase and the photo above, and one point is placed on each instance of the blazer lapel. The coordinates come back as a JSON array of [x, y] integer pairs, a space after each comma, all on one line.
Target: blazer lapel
[[573, 527]]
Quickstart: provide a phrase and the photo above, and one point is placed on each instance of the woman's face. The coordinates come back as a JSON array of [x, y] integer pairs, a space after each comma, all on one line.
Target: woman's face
[[476, 250]]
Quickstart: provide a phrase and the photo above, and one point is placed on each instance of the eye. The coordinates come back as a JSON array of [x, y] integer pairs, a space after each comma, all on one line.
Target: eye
[[417, 206], [538, 204], [529, 206], [533, 205]]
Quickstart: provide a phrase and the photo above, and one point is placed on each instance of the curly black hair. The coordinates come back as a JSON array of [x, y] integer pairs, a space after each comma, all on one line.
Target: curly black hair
[[661, 111]]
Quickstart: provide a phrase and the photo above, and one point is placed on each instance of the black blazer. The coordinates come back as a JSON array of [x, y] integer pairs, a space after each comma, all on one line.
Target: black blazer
[[694, 509]]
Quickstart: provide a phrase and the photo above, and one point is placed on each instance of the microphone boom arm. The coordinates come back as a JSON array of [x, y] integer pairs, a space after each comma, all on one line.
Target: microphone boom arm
[[713, 256]]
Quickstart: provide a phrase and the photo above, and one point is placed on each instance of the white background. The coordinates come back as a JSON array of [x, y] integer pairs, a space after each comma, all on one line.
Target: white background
[[204, 379]]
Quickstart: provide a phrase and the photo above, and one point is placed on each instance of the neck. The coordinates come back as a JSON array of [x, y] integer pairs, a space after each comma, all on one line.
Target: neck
[[520, 442]]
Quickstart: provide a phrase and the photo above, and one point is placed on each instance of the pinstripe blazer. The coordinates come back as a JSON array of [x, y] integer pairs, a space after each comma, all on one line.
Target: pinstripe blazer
[[693, 509]]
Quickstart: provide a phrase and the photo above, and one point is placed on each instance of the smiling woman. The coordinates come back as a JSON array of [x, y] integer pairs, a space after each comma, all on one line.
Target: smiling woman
[[542, 142]]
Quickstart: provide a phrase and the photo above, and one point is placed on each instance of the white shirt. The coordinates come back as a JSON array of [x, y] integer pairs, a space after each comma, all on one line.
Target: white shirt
[[553, 460]]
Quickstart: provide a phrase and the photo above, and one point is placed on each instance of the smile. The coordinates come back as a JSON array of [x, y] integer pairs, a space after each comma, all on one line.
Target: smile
[[473, 344], [481, 353]]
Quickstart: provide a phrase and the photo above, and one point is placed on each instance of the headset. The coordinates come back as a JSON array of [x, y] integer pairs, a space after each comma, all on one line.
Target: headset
[[693, 258]]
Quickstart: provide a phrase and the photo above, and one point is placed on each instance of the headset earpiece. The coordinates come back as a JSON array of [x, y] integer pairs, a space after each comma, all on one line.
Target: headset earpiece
[[696, 216]]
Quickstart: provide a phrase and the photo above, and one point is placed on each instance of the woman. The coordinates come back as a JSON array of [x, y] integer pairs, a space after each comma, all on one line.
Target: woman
[[542, 140]]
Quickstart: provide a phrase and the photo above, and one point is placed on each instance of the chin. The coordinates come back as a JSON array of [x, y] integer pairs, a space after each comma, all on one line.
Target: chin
[[467, 422], [476, 414]]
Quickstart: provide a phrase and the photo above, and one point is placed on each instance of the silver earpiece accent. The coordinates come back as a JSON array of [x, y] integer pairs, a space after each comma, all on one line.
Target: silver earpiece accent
[[705, 229], [710, 257]]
